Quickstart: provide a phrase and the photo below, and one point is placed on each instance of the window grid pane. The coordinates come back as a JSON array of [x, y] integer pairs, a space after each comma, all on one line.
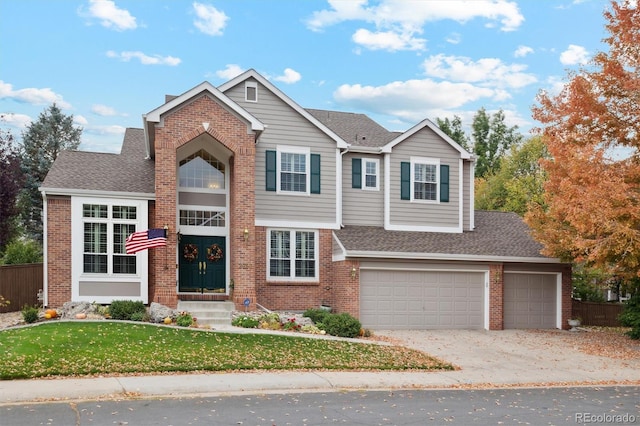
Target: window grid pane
[[279, 254], [305, 254], [124, 264], [124, 212], [425, 186], [293, 172], [94, 210], [202, 218], [202, 170]]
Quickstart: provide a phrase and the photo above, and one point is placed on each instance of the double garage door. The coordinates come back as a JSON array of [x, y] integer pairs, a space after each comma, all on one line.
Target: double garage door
[[420, 300]]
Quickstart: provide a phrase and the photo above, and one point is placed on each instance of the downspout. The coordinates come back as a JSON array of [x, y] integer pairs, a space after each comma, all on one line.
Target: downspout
[[45, 256]]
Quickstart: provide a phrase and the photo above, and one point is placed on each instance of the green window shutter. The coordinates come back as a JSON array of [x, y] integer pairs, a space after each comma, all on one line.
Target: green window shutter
[[356, 173], [405, 180], [271, 169], [444, 183], [315, 173]]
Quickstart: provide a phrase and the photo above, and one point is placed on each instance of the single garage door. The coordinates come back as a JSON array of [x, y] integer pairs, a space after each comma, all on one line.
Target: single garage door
[[530, 300], [416, 300]]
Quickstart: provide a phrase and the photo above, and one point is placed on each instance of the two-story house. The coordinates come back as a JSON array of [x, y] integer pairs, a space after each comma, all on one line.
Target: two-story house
[[268, 203]]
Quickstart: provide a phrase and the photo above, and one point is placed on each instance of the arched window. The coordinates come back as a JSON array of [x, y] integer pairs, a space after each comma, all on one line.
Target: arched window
[[201, 170]]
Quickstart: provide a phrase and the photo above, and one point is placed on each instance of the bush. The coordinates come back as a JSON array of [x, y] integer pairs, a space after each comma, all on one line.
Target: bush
[[20, 252], [245, 322], [29, 314], [342, 325], [630, 316], [184, 319], [316, 314], [127, 310], [270, 321]]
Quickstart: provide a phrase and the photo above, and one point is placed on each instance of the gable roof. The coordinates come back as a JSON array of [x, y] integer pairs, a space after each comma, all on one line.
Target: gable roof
[[498, 236], [355, 129], [426, 123], [78, 172], [341, 143], [149, 119]]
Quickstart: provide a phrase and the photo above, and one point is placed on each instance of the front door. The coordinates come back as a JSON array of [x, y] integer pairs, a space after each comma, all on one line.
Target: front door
[[202, 264]]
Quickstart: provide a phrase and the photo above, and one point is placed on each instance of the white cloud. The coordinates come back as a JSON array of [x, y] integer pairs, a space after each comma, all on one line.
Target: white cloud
[[491, 72], [80, 120], [388, 40], [103, 110], [574, 55], [454, 38], [32, 95], [144, 59], [231, 71], [290, 76], [105, 130], [209, 20], [406, 19], [411, 100], [109, 15], [18, 121], [522, 51]]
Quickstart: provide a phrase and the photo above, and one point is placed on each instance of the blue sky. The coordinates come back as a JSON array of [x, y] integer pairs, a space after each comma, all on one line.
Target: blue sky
[[107, 62]]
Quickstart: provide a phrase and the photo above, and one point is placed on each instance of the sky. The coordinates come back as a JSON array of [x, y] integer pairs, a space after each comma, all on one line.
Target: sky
[[108, 62]]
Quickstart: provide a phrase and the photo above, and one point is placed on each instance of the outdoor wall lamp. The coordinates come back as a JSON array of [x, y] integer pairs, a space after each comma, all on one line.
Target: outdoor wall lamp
[[246, 234], [353, 272]]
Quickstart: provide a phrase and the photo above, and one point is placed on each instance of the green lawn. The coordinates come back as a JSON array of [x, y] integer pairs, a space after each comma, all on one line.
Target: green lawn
[[85, 348]]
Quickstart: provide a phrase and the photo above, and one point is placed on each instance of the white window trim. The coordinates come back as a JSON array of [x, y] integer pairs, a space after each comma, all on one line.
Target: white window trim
[[363, 185], [253, 85], [77, 248], [427, 161], [292, 277], [306, 151]]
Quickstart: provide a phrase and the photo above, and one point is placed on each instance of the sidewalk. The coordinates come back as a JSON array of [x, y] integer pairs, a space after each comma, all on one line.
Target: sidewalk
[[487, 359]]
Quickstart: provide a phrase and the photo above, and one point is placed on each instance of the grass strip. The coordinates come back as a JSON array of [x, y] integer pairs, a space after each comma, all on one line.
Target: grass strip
[[88, 348]]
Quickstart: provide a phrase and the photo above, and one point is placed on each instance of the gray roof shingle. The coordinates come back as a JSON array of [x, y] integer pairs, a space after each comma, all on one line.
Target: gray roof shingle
[[355, 129], [128, 171], [500, 234]]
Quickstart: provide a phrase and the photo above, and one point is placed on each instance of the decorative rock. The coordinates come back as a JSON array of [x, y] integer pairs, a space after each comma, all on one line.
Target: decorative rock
[[158, 312], [70, 309]]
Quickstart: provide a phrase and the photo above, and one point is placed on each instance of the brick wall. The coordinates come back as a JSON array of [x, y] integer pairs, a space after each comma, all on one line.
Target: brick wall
[[59, 250], [496, 297], [346, 287], [567, 286], [179, 128]]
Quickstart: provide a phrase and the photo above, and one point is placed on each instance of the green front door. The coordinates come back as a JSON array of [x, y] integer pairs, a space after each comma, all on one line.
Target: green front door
[[202, 264]]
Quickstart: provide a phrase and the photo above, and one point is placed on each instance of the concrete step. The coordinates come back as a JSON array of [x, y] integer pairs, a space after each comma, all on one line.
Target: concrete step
[[208, 313]]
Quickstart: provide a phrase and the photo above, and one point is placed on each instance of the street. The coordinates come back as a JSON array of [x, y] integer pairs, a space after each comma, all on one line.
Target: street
[[535, 406]]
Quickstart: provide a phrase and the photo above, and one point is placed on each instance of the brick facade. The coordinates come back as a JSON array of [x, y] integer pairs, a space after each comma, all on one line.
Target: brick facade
[[59, 250], [496, 297]]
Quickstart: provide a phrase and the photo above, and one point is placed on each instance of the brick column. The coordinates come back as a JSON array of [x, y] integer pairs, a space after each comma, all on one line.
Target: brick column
[[496, 297], [567, 286]]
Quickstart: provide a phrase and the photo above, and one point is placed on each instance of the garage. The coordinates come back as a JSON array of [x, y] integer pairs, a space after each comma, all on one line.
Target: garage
[[420, 300], [530, 300]]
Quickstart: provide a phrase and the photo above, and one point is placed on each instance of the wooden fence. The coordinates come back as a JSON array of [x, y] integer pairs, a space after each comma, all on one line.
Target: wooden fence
[[20, 284], [594, 313]]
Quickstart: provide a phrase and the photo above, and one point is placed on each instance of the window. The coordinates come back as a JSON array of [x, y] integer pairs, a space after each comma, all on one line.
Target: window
[[297, 263], [201, 170], [292, 170], [251, 91], [370, 175], [105, 231], [424, 179], [202, 218]]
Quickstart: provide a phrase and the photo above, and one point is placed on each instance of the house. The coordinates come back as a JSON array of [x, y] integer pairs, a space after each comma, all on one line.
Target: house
[[265, 202]]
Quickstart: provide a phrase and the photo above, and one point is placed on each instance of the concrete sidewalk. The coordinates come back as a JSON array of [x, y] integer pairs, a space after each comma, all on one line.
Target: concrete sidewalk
[[486, 358]]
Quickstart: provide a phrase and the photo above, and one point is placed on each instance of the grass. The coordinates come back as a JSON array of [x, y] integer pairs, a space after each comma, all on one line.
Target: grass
[[89, 348]]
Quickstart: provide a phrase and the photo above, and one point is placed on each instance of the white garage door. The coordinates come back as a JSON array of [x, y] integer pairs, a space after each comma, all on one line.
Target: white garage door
[[529, 300], [421, 299]]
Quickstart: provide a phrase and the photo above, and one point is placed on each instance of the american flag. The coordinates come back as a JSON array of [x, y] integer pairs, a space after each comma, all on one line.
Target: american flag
[[145, 240]]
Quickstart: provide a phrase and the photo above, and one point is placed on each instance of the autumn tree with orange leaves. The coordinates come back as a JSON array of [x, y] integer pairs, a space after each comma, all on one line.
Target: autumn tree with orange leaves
[[591, 207]]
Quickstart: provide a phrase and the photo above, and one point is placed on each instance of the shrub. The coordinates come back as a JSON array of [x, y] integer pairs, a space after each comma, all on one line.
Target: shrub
[[127, 310], [138, 316], [21, 252], [245, 322], [184, 319], [342, 325], [315, 314], [291, 325], [29, 314], [270, 321], [630, 316]]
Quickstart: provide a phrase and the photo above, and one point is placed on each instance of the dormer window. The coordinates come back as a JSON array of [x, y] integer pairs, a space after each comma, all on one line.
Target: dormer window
[[251, 91]]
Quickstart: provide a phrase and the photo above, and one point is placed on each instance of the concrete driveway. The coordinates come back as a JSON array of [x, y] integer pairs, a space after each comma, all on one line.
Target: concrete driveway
[[525, 357]]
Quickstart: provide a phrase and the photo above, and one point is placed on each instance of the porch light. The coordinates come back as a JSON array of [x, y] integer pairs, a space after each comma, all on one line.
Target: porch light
[[246, 234], [353, 272]]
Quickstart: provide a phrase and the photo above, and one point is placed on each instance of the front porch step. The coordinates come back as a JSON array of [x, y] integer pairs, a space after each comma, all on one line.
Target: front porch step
[[208, 313]]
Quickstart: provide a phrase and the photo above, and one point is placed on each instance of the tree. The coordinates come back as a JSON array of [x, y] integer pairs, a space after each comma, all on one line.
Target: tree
[[591, 208], [42, 141], [453, 129], [11, 179], [491, 140], [518, 182]]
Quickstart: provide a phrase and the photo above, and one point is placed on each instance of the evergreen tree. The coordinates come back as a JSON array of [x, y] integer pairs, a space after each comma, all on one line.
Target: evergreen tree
[[42, 141], [11, 179]]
